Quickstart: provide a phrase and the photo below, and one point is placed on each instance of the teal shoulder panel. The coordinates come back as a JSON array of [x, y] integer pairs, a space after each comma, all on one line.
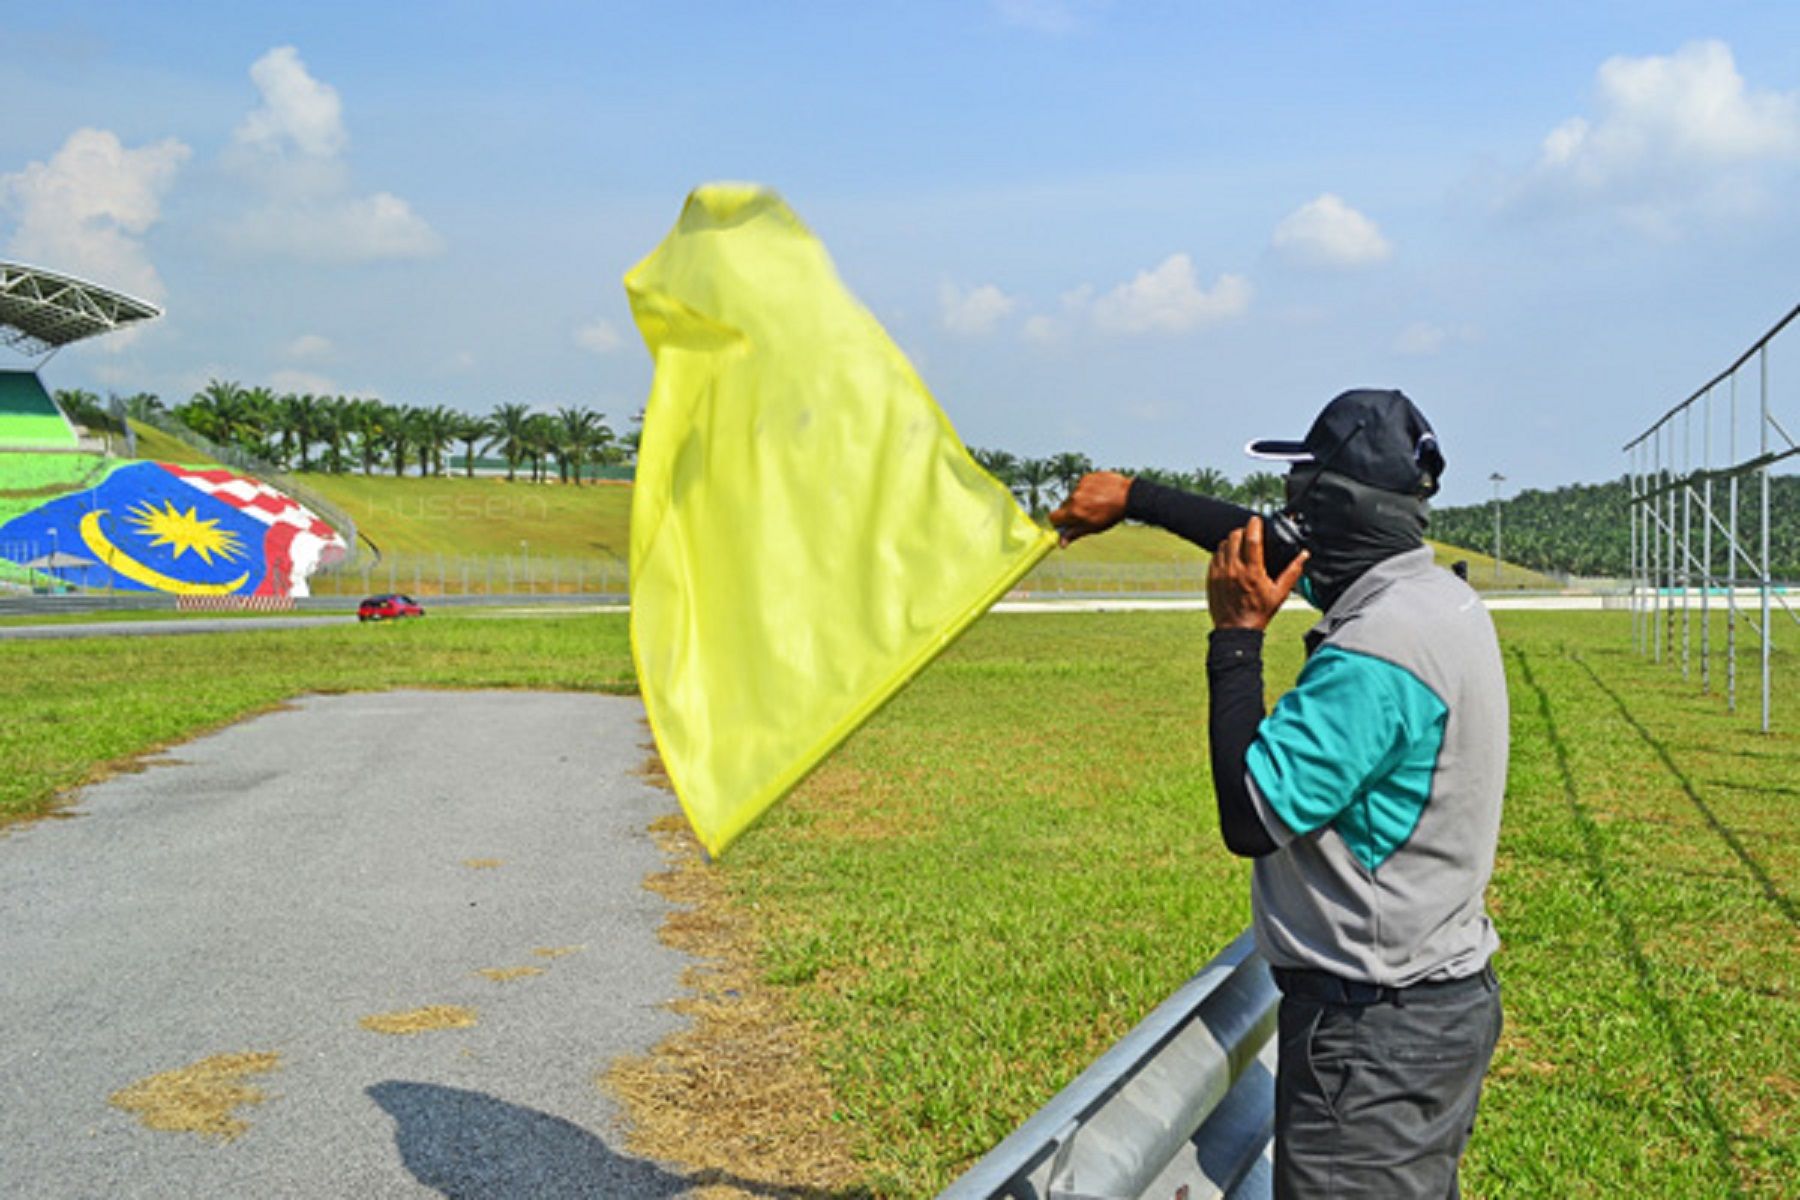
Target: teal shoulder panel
[[1353, 745]]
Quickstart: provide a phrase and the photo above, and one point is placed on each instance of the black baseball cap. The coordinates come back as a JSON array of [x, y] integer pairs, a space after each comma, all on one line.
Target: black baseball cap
[[1377, 437]]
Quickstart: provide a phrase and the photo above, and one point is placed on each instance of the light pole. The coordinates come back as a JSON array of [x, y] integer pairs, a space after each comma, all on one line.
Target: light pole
[[1496, 479]]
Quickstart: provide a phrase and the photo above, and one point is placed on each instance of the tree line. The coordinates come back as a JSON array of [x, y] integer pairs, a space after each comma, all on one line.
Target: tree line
[[337, 434], [1585, 529], [1577, 529], [1042, 483]]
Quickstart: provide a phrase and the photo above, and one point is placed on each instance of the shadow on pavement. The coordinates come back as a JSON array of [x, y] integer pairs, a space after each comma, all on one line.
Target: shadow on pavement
[[471, 1146], [468, 1145]]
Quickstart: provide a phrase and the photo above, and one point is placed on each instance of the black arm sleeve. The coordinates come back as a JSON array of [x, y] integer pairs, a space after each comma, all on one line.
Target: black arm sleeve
[[1234, 681], [1201, 520], [1205, 521]]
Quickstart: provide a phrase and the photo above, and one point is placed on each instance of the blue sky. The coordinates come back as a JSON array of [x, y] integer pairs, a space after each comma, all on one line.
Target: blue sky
[[1146, 231]]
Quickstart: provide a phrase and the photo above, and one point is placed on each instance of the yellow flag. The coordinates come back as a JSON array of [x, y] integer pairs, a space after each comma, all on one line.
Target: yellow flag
[[807, 532]]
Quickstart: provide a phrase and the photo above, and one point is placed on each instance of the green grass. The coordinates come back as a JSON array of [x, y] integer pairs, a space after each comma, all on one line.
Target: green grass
[[1017, 859], [483, 515], [154, 444], [77, 709]]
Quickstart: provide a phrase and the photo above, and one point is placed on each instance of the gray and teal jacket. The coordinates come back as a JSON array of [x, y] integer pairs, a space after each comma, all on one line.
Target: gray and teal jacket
[[1377, 779]]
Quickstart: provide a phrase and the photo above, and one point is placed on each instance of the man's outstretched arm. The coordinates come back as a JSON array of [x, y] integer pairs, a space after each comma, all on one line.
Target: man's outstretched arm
[[1102, 499]]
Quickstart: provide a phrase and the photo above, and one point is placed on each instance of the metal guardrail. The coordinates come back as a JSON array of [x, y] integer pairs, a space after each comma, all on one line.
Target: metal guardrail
[[1182, 1107]]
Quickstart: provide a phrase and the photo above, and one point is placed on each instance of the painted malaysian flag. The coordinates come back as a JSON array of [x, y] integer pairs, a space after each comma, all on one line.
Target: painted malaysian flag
[[165, 528]]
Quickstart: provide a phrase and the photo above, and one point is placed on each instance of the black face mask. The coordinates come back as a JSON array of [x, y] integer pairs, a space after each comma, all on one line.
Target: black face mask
[[1349, 527]]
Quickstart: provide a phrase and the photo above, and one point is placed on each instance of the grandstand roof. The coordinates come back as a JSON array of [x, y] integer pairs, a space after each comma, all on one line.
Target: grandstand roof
[[41, 310]]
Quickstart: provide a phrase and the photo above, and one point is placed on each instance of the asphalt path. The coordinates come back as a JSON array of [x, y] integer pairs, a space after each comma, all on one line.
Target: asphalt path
[[165, 628], [279, 881]]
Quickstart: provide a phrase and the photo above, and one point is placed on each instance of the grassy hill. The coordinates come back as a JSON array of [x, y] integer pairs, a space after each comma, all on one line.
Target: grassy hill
[[458, 517], [486, 516], [483, 516], [154, 444]]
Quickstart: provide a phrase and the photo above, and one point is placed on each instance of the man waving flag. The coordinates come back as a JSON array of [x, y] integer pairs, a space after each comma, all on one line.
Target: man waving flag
[[807, 532]]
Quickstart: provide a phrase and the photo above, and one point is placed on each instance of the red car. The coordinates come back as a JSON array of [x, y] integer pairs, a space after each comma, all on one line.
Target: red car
[[386, 608]]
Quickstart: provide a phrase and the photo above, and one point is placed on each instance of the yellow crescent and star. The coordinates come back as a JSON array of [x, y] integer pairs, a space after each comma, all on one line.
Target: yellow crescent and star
[[168, 526]]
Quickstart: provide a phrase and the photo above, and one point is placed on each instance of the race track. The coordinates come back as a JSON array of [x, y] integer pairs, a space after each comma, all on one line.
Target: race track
[[237, 913]]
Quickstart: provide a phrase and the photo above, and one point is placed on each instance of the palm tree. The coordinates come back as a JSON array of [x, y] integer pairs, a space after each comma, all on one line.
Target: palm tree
[[579, 432], [510, 424], [1262, 490], [1068, 468], [434, 429], [1209, 481], [331, 426], [366, 419], [1035, 477], [142, 406], [540, 442], [397, 433], [216, 411], [261, 420], [82, 407], [471, 429], [606, 442], [297, 420], [998, 463]]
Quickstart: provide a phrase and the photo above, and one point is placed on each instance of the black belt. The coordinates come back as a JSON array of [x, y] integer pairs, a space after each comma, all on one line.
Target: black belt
[[1309, 984]]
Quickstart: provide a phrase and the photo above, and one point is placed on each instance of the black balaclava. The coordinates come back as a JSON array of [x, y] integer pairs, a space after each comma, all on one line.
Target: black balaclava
[[1349, 527]]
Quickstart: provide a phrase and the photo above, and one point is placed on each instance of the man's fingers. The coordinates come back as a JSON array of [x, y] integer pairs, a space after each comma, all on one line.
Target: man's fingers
[[1226, 553], [1290, 576], [1253, 543]]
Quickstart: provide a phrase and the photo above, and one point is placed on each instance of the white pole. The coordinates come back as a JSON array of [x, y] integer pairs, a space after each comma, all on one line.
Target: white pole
[[1767, 632], [1687, 535], [1731, 567], [1706, 565]]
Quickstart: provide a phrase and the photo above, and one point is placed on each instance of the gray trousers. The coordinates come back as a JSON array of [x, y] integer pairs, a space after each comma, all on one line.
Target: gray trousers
[[1376, 1090]]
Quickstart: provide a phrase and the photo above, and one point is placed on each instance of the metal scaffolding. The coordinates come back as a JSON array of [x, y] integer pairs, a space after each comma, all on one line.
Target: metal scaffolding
[[1678, 534]]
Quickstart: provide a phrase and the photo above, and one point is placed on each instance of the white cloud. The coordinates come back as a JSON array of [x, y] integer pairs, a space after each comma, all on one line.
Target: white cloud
[[352, 230], [1669, 134], [288, 382], [310, 346], [1055, 17], [973, 313], [297, 110], [292, 148], [1042, 330], [1169, 299], [1326, 232], [1422, 339], [85, 211], [599, 335]]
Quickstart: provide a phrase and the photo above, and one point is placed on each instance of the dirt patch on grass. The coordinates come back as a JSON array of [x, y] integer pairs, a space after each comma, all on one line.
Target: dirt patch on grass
[[198, 1098], [737, 1098]]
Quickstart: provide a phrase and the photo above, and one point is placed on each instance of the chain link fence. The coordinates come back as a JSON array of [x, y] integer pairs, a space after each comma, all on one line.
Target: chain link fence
[[423, 575], [426, 575]]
